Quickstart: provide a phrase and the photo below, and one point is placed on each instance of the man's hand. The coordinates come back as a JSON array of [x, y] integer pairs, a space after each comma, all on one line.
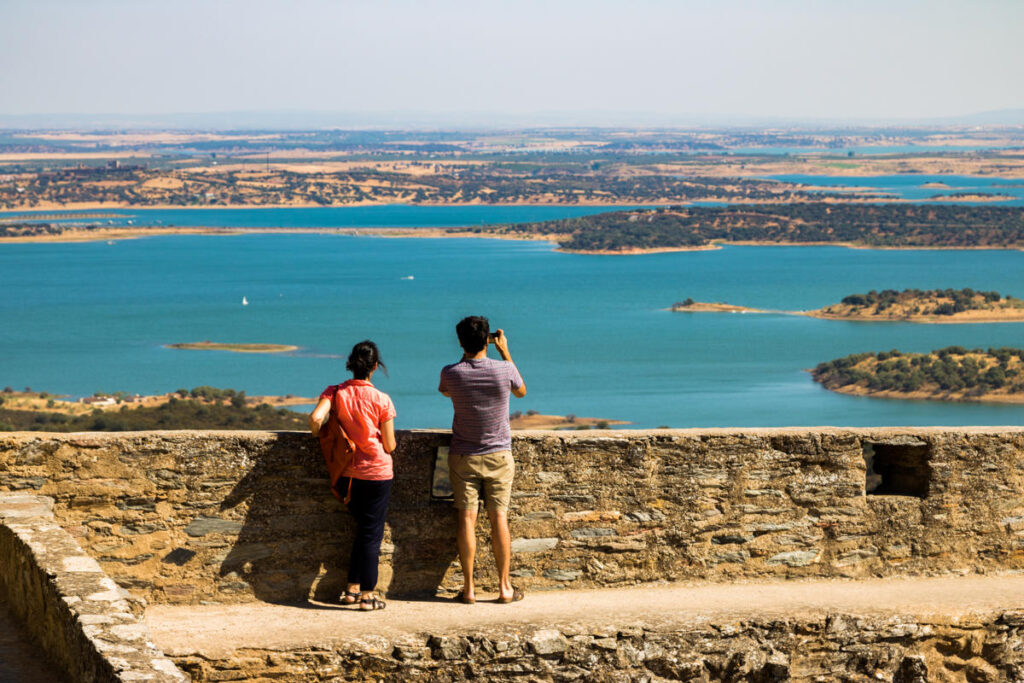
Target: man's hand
[[501, 343]]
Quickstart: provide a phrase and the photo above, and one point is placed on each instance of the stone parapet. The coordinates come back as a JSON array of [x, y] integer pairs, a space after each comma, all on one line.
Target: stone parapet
[[836, 647], [91, 628], [184, 517]]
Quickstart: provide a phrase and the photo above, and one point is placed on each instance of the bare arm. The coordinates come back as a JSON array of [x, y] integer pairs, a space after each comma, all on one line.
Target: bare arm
[[387, 435], [319, 415], [501, 343]]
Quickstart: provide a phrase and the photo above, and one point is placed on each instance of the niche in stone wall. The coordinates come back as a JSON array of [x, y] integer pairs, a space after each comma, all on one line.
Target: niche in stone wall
[[440, 481], [897, 468]]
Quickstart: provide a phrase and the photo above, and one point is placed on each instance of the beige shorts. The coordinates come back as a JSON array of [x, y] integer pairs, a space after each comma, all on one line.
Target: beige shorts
[[487, 477]]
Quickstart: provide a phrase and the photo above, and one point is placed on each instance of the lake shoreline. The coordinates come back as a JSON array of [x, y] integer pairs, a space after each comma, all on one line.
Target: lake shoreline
[[948, 397], [112, 233]]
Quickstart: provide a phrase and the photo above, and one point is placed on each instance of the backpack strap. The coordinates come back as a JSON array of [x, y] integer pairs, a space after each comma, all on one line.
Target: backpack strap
[[336, 414]]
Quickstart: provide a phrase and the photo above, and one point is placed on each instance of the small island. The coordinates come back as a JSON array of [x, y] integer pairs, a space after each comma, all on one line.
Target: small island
[[691, 306], [532, 419], [926, 306], [237, 348], [950, 374]]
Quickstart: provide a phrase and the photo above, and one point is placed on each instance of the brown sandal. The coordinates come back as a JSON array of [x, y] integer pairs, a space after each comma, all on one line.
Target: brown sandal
[[461, 597], [517, 595], [349, 598], [371, 604]]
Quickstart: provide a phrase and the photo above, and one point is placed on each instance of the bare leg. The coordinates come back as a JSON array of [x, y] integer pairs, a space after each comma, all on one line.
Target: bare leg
[[466, 535], [501, 542]]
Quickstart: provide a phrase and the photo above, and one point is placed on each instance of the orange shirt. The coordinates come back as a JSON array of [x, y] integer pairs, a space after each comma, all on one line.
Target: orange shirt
[[362, 408]]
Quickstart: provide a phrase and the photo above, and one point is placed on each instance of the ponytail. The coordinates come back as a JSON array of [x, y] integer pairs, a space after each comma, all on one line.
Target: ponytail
[[364, 357]]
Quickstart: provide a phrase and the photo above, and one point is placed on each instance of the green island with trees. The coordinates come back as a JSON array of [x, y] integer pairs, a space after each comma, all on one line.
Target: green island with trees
[[950, 374], [935, 305], [868, 225], [909, 305], [199, 408]]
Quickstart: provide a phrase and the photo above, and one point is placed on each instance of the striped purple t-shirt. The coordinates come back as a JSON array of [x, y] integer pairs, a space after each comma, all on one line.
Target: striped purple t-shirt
[[479, 388]]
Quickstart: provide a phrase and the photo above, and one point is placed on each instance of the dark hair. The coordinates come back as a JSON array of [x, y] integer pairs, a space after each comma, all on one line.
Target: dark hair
[[365, 355], [473, 333]]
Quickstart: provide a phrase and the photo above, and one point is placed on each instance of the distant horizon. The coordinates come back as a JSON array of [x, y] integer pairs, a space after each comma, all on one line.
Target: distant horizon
[[295, 119], [573, 62]]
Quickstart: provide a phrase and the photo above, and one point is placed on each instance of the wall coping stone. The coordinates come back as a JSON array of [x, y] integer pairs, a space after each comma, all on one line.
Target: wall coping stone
[[92, 628]]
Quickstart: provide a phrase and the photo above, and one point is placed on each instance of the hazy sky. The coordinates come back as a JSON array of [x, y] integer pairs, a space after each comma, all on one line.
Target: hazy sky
[[791, 58]]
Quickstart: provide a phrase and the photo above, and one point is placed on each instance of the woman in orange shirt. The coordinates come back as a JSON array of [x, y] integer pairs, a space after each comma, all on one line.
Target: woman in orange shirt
[[368, 417]]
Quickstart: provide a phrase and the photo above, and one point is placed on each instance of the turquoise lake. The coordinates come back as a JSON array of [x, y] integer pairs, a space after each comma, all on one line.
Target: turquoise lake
[[911, 186], [590, 333]]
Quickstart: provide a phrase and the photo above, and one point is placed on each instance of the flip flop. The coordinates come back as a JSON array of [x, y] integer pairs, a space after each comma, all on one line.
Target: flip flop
[[461, 597], [517, 595]]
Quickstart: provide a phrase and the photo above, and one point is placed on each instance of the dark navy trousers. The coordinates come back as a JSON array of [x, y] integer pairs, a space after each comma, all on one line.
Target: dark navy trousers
[[369, 508]]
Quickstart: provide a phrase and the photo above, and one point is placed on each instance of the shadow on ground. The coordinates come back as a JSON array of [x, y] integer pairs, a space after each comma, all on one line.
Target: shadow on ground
[[295, 541]]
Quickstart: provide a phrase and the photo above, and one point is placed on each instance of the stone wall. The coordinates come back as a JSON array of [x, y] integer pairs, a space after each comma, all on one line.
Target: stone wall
[[231, 516], [90, 627], [837, 648]]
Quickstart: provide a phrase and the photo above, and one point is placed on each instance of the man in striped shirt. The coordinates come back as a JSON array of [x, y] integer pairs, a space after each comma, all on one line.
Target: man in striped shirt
[[480, 456]]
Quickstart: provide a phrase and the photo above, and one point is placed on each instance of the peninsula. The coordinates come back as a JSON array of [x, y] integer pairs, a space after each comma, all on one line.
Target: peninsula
[[950, 374], [237, 348], [910, 305], [674, 228], [202, 407], [868, 225]]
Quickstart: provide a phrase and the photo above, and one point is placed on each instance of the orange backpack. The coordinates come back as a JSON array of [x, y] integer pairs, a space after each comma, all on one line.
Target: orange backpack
[[337, 448]]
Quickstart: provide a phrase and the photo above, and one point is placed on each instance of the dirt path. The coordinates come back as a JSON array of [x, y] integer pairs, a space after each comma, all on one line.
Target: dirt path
[[218, 630]]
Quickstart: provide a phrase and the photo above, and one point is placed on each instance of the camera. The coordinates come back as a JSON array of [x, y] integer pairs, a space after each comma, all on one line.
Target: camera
[[492, 337]]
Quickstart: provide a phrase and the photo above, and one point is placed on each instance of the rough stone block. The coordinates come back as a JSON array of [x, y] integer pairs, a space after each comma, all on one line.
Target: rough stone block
[[533, 545], [547, 642], [795, 558], [202, 526]]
